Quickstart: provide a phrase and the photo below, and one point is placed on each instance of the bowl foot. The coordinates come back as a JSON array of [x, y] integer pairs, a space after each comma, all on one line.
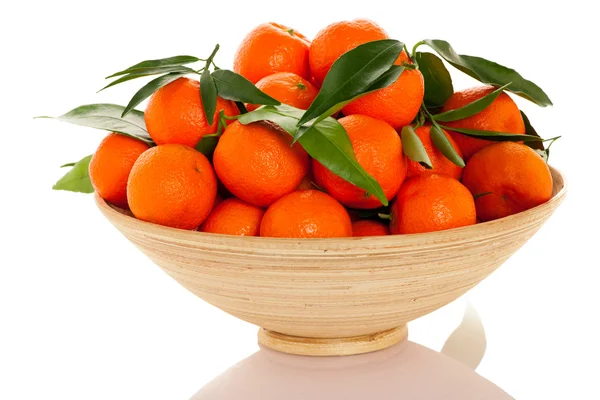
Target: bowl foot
[[331, 347]]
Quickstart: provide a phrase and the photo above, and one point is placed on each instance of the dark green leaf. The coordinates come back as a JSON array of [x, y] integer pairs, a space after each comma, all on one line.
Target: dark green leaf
[[207, 145], [232, 86], [241, 107], [68, 165], [490, 72], [495, 136], [473, 108], [441, 142], [529, 130], [413, 147], [208, 92], [149, 89], [150, 71], [438, 82], [163, 62], [77, 179], [352, 75], [108, 117], [327, 142]]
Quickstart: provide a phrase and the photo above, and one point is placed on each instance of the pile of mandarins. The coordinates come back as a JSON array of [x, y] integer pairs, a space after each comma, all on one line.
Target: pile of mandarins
[[259, 183]]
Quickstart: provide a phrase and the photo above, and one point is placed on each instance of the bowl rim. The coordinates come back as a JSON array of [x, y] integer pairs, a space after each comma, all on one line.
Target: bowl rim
[[114, 215]]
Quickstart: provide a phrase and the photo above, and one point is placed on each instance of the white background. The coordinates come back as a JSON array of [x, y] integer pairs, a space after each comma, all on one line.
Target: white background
[[84, 315]]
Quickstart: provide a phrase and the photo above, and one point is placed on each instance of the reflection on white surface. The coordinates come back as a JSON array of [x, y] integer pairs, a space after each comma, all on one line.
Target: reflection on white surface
[[404, 371], [467, 343]]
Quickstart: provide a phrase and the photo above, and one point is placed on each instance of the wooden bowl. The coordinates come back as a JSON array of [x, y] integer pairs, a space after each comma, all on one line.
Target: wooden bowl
[[333, 296]]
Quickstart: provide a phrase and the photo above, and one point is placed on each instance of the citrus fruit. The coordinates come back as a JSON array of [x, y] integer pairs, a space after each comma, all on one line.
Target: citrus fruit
[[234, 217], [175, 114], [507, 178], [441, 165], [288, 88], [111, 164], [502, 115], [397, 104], [369, 227], [378, 150], [431, 203], [306, 214], [172, 185], [256, 163], [271, 48], [338, 38]]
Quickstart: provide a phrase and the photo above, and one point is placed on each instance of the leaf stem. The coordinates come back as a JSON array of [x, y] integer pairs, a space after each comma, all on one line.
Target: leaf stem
[[414, 50], [210, 58]]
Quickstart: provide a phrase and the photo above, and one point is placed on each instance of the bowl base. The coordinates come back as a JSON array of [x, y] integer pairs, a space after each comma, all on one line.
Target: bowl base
[[331, 347]]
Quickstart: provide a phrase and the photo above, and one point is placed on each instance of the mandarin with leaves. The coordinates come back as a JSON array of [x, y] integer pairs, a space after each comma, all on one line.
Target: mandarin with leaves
[[172, 185], [502, 115], [397, 104], [270, 48], [233, 217], [378, 150], [507, 178], [440, 164], [258, 163], [111, 165], [338, 38], [175, 114], [306, 214], [431, 203], [288, 88], [369, 227]]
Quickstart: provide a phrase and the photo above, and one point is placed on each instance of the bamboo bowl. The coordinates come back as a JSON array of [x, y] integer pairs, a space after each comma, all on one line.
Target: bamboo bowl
[[333, 296]]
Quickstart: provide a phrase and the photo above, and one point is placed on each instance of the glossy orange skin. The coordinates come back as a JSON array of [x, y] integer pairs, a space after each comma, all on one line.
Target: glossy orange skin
[[431, 203], [502, 115], [397, 104], [441, 165], [338, 38], [174, 114], [369, 227], [306, 214], [172, 185], [271, 48], [111, 164], [378, 149], [234, 217], [288, 88], [517, 177], [256, 163]]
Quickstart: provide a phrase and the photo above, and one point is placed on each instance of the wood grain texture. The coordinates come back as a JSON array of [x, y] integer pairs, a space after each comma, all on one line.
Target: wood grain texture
[[331, 347], [334, 288]]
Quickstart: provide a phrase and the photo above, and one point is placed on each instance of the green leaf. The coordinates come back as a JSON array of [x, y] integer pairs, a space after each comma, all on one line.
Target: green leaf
[[472, 108], [208, 92], [232, 86], [438, 82], [71, 164], [108, 117], [441, 142], [529, 130], [207, 145], [495, 136], [352, 75], [77, 179], [413, 147], [327, 142], [490, 72], [148, 72], [149, 64], [149, 89]]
